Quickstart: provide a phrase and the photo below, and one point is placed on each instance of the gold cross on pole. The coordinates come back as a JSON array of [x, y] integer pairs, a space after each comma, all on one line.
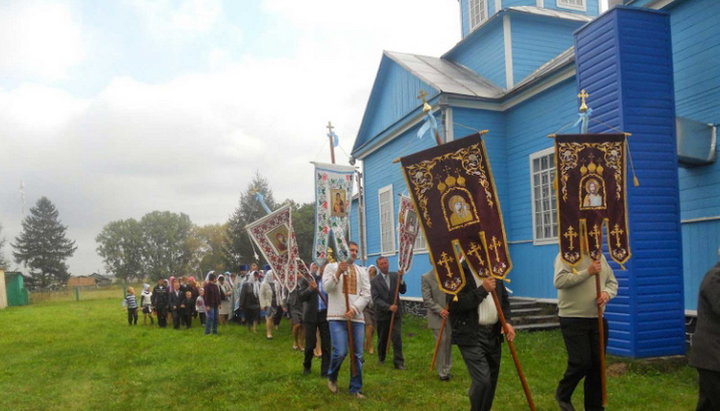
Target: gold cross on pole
[[330, 127], [445, 262], [617, 232], [582, 96], [421, 95], [595, 233], [475, 252], [570, 234], [495, 246]]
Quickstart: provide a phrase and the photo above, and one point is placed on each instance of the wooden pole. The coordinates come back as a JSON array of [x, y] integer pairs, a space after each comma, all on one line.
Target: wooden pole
[[601, 342], [437, 343], [351, 342], [516, 360], [392, 316]]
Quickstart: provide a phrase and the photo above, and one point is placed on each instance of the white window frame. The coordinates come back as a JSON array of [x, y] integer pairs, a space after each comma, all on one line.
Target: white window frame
[[386, 220], [552, 211], [420, 243], [476, 8], [568, 4]]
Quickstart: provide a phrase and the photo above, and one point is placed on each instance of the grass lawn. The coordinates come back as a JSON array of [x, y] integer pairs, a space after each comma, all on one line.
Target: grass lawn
[[66, 354]]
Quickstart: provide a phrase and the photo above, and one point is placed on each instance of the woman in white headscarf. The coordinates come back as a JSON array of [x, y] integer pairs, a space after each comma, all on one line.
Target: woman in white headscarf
[[269, 301], [369, 314], [250, 297], [225, 293]]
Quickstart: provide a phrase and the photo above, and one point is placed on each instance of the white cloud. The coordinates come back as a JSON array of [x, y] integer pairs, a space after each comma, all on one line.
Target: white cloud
[[39, 39], [170, 20]]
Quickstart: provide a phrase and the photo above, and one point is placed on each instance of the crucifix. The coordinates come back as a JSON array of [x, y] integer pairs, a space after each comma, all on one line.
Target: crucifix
[[582, 96], [474, 251], [617, 232], [445, 262], [595, 233], [495, 246], [570, 234], [332, 143]]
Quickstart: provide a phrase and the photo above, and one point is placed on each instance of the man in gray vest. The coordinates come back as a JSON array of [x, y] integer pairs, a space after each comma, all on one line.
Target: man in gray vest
[[434, 302]]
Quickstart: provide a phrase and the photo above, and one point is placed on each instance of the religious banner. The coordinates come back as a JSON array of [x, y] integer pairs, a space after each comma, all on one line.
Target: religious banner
[[275, 237], [333, 191], [454, 194], [408, 227], [591, 192]]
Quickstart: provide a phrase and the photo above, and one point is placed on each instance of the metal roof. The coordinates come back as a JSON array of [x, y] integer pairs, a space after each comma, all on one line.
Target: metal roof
[[446, 76], [550, 13]]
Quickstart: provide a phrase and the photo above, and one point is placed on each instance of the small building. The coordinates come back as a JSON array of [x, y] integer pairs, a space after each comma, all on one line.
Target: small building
[[81, 281], [101, 280], [15, 289]]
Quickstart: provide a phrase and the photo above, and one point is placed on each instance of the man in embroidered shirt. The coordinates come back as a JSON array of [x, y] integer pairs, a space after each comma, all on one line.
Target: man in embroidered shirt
[[337, 278]]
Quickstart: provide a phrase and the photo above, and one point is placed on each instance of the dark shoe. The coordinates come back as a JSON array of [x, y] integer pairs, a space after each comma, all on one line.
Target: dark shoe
[[332, 386], [445, 377], [564, 405], [306, 371]]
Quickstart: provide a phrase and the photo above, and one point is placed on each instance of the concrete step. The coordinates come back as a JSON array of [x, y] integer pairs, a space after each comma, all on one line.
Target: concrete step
[[525, 311], [534, 319], [522, 303]]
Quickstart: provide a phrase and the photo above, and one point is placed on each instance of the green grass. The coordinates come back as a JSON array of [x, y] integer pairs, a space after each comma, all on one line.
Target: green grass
[[70, 354]]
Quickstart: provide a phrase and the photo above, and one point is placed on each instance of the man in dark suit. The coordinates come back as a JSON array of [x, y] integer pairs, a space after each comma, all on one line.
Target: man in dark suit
[[705, 349], [382, 289], [314, 303], [476, 330]]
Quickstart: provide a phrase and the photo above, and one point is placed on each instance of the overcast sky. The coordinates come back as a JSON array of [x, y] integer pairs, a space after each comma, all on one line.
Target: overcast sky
[[113, 109]]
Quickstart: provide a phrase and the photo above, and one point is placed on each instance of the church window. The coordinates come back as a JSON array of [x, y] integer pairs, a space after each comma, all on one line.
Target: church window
[[478, 12], [572, 4], [387, 222], [544, 201]]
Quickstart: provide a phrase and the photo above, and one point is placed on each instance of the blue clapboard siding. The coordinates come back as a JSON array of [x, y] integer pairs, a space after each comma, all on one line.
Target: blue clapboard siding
[[696, 59], [592, 7], [483, 52], [528, 125], [394, 95], [630, 75], [536, 40]]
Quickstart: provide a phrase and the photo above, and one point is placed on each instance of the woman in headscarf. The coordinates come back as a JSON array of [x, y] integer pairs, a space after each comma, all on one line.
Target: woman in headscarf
[[269, 302], [225, 293], [250, 297], [146, 304], [369, 314]]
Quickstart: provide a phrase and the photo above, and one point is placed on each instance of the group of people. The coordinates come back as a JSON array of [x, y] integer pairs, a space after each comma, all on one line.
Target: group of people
[[337, 310]]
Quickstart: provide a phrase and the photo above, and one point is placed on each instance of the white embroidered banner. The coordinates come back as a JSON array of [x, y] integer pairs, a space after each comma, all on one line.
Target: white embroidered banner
[[408, 227], [333, 192], [275, 237]]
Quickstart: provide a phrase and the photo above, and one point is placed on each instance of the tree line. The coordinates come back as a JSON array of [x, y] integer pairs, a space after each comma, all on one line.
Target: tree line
[[158, 245]]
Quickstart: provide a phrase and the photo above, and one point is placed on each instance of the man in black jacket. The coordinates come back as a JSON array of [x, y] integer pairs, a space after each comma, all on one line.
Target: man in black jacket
[[382, 288], [159, 300], [314, 317], [705, 349], [476, 330]]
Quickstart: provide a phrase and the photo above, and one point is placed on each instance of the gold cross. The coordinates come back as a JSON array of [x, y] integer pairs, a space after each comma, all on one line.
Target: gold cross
[[421, 95], [474, 251], [617, 231], [495, 246], [582, 96], [595, 233], [570, 234], [445, 262], [330, 128]]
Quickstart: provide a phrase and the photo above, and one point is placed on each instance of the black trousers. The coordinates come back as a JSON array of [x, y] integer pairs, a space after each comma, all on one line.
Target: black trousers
[[187, 319], [176, 319], [709, 395], [383, 327], [583, 350], [311, 340], [132, 316], [483, 363], [202, 318], [161, 316]]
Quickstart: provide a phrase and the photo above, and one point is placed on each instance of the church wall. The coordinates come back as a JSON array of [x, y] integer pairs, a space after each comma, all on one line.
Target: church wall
[[483, 52], [592, 7]]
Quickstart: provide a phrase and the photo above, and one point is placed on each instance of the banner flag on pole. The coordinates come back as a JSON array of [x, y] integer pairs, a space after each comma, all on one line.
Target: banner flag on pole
[[333, 192], [454, 194], [275, 238], [408, 228], [592, 191]]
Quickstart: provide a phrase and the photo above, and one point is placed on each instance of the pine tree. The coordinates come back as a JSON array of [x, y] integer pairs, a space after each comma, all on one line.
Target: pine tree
[[42, 245], [4, 264]]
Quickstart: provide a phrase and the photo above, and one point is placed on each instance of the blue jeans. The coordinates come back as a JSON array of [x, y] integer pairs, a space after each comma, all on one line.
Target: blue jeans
[[211, 322], [339, 338]]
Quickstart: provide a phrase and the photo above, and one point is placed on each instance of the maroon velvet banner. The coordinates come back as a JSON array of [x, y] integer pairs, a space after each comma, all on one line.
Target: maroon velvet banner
[[454, 194], [591, 193]]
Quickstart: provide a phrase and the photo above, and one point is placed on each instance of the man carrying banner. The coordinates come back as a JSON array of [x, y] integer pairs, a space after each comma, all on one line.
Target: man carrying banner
[[383, 297], [435, 304], [346, 280], [578, 311], [477, 332]]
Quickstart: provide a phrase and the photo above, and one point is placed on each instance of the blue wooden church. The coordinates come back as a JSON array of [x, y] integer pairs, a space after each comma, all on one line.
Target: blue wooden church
[[651, 67]]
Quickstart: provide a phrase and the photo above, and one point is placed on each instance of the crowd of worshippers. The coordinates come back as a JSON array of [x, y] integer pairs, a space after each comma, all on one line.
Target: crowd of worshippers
[[341, 305]]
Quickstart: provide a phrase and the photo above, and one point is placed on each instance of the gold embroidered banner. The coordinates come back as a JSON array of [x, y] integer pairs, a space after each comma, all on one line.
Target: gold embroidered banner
[[454, 194], [591, 192]]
